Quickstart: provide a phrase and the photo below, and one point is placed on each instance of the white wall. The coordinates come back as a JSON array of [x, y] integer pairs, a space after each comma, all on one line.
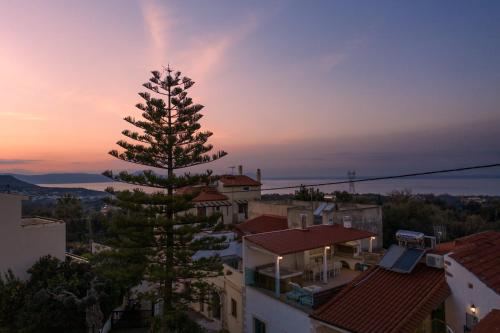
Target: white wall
[[253, 257], [233, 287], [21, 246], [483, 298], [278, 316]]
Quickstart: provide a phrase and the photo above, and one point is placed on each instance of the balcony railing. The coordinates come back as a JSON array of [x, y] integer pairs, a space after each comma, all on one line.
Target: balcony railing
[[290, 292]]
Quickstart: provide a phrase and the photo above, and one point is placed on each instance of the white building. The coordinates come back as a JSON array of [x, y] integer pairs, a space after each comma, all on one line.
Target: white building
[[223, 309], [290, 272], [473, 274], [229, 196], [24, 240], [240, 190]]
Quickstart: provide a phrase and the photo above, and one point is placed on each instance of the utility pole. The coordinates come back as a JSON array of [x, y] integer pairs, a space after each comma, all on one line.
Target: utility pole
[[351, 174]]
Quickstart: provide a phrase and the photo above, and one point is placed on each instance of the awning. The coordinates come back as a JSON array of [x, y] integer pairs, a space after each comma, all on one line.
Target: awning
[[240, 201], [213, 204]]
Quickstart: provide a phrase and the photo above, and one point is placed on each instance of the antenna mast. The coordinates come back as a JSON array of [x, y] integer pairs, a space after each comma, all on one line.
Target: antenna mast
[[351, 174]]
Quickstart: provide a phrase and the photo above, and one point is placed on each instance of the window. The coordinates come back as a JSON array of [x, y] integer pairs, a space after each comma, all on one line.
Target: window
[[246, 188], [470, 285], [258, 326], [243, 209], [234, 308]]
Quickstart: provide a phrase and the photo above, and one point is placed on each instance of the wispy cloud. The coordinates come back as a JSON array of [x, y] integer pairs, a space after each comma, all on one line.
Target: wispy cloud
[[157, 23], [206, 54], [16, 161], [202, 53], [21, 116], [328, 61]]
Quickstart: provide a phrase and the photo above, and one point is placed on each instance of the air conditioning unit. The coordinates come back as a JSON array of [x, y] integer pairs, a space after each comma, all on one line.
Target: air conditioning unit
[[434, 260]]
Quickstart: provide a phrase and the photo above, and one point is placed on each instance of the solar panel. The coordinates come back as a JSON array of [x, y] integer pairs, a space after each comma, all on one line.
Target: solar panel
[[408, 260], [320, 208], [391, 256]]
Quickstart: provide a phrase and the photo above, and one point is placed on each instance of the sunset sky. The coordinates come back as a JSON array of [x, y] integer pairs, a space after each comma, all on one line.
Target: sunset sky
[[297, 88]]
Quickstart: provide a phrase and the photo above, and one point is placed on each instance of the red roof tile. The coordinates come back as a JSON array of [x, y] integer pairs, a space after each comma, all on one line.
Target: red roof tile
[[443, 248], [262, 223], [298, 240], [383, 301], [489, 324], [238, 180], [204, 193], [478, 253]]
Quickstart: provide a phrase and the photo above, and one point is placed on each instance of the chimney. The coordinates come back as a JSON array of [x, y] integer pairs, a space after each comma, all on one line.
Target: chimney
[[303, 221], [259, 176], [240, 170]]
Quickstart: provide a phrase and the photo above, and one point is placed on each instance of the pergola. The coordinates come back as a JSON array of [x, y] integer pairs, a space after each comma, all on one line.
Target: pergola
[[283, 242]]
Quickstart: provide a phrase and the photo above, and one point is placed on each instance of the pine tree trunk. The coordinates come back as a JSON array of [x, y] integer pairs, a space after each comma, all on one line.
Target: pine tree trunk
[[168, 304]]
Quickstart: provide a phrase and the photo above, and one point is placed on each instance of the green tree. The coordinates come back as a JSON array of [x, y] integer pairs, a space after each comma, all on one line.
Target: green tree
[[55, 298], [152, 235], [404, 211], [308, 194], [70, 209]]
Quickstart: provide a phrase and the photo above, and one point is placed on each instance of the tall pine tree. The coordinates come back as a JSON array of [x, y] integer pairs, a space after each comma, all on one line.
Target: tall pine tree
[[153, 238]]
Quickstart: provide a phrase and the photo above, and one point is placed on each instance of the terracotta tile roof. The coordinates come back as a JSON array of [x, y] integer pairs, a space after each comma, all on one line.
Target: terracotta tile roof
[[298, 240], [238, 180], [447, 247], [478, 253], [443, 248], [489, 324], [204, 193], [262, 223], [382, 301]]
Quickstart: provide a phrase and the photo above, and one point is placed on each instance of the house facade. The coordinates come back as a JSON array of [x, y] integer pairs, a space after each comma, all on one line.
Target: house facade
[[288, 273], [473, 273], [24, 240], [228, 196], [240, 190], [359, 216]]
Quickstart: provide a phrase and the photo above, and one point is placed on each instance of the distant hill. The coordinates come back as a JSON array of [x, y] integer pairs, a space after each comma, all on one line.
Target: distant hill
[[62, 178], [12, 183], [9, 183]]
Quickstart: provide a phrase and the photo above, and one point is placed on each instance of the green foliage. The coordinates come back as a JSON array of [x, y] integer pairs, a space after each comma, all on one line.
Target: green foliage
[[343, 196], [308, 194], [70, 209], [151, 236], [54, 299], [403, 210], [178, 322]]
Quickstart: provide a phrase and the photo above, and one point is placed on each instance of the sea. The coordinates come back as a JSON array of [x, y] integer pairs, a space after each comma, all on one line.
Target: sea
[[432, 185]]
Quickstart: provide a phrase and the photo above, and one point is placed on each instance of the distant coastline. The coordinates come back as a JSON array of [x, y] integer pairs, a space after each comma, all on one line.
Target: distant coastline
[[437, 186], [86, 178]]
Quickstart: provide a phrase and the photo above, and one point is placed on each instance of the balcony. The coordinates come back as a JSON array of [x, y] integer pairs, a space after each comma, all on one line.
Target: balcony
[[297, 288], [304, 267]]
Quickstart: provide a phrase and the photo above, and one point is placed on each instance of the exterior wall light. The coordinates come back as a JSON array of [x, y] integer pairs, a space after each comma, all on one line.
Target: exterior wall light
[[372, 237], [327, 248], [473, 308], [280, 257]]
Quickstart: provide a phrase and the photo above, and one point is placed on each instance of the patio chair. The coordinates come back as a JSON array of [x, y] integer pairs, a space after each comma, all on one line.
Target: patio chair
[[307, 299], [337, 267], [296, 293]]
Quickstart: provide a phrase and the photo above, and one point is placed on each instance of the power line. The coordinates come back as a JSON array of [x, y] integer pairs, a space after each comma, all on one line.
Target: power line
[[370, 179]]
